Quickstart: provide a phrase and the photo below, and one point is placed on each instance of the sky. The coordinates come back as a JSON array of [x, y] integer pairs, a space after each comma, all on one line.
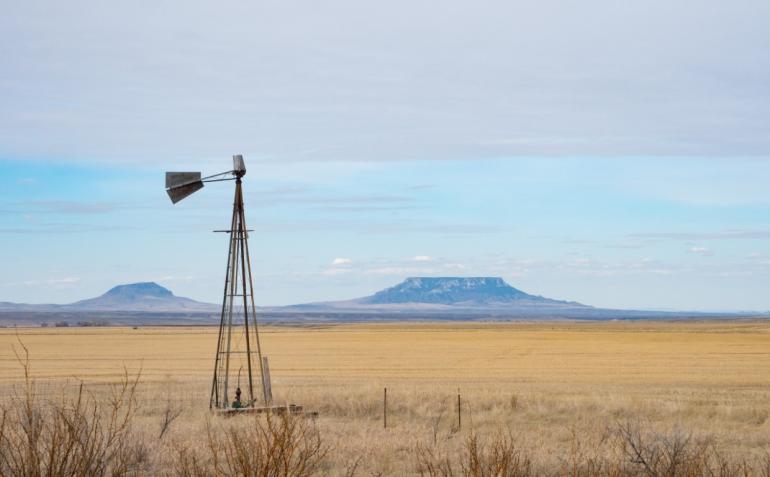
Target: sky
[[611, 153]]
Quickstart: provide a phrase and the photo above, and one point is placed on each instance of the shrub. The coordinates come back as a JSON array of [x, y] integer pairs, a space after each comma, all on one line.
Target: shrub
[[273, 446], [72, 437], [498, 458]]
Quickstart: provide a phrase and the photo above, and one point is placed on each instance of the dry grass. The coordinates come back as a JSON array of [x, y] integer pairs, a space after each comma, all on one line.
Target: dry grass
[[269, 446], [559, 393], [79, 437]]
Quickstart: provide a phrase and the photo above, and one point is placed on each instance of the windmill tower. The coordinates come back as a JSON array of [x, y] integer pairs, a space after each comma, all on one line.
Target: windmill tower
[[239, 354]]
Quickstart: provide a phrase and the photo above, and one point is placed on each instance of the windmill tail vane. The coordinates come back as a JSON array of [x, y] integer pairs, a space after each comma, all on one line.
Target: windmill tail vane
[[182, 184]]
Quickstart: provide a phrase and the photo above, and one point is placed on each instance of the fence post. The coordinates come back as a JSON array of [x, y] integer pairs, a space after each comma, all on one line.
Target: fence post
[[385, 409], [267, 385]]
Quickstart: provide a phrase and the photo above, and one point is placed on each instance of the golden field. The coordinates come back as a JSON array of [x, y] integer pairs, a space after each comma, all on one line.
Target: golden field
[[557, 388]]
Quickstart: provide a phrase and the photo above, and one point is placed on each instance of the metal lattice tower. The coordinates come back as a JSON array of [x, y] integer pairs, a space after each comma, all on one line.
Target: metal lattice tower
[[238, 339], [238, 318]]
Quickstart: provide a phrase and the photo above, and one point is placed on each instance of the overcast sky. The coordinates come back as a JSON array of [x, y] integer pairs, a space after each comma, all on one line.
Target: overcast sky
[[614, 153]]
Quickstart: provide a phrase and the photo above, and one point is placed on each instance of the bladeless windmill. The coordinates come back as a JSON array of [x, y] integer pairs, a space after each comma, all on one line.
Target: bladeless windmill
[[238, 329]]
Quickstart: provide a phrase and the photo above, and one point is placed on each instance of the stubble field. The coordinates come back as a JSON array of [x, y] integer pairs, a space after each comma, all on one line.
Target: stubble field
[[558, 391]]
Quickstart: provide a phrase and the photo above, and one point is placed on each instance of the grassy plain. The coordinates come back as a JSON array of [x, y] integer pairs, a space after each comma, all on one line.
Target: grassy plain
[[553, 386]]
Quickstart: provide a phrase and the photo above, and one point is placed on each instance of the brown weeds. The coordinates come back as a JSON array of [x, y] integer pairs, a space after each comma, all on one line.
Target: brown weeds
[[498, 458], [632, 450], [273, 446], [69, 437]]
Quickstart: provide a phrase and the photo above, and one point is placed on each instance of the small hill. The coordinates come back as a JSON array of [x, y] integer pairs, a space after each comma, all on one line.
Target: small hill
[[144, 296]]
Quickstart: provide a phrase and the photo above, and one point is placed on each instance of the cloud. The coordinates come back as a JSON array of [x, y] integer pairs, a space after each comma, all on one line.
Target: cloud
[[73, 207], [396, 226], [302, 195], [175, 278], [581, 262], [581, 266], [305, 195], [364, 208], [703, 251], [719, 235], [66, 228], [415, 266], [336, 271], [339, 266], [181, 81], [625, 244], [455, 266], [49, 281], [68, 207], [421, 187], [577, 267], [401, 271], [362, 199]]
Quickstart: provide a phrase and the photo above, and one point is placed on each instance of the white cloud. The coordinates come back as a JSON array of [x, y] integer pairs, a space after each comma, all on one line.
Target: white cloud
[[339, 262], [50, 281], [335, 271], [455, 266], [581, 262], [400, 271], [176, 278], [422, 258], [700, 236], [703, 251]]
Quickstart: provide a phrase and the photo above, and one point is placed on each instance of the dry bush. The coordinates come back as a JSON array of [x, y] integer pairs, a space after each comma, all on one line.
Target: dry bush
[[273, 446], [636, 450], [586, 456], [657, 454], [170, 414], [678, 453], [499, 458], [629, 450], [71, 437]]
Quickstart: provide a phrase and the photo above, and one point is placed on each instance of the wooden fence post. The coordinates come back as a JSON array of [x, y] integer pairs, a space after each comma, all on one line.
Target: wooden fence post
[[385, 409], [267, 385]]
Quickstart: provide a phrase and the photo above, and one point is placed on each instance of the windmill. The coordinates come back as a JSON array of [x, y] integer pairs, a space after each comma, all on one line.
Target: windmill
[[238, 328]]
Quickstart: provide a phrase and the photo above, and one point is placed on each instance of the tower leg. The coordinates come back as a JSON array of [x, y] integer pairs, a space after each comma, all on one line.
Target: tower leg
[[216, 386], [244, 255], [266, 396]]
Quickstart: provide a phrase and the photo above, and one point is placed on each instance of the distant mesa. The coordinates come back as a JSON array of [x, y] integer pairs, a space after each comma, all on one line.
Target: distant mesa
[[143, 296], [128, 294], [451, 298], [447, 294], [133, 297], [439, 294], [138, 291], [470, 291]]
